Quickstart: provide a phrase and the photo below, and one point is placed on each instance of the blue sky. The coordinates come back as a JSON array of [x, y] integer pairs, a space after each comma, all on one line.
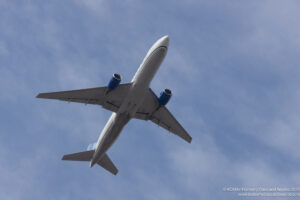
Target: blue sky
[[233, 67]]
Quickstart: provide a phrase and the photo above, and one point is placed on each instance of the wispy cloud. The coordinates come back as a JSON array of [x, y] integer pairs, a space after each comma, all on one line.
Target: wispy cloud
[[232, 68]]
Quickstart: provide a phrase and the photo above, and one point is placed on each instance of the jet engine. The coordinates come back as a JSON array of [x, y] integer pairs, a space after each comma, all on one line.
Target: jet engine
[[164, 97], [114, 82]]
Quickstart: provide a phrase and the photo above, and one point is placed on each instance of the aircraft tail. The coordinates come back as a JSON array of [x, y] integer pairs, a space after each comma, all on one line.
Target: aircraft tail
[[104, 162]]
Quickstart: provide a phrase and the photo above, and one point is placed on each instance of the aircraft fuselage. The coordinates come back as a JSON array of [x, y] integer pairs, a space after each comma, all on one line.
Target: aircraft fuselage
[[134, 98]]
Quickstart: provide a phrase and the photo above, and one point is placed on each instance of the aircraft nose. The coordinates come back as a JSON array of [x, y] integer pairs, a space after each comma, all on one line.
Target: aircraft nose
[[165, 41]]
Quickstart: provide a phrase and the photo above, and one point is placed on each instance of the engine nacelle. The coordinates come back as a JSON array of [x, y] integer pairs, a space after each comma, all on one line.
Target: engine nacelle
[[164, 97], [114, 82]]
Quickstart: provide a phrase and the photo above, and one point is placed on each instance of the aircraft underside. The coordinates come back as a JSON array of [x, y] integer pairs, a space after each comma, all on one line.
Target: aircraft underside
[[126, 101]]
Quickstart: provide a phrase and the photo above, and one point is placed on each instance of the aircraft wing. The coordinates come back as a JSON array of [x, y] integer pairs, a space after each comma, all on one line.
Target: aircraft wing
[[111, 100], [160, 115]]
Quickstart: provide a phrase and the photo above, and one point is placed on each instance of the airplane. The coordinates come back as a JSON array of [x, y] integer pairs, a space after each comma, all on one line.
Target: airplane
[[129, 100]]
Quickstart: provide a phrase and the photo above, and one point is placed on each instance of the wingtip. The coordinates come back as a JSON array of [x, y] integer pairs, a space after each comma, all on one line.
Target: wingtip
[[64, 157], [115, 173], [38, 96]]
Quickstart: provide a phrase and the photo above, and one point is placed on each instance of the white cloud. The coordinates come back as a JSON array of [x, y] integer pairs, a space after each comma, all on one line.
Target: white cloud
[[98, 7], [201, 168]]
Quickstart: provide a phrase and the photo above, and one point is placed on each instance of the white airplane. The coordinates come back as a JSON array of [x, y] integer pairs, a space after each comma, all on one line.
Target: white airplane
[[126, 101]]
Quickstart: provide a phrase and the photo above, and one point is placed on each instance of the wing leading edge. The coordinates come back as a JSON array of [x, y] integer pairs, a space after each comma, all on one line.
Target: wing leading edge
[[160, 115]]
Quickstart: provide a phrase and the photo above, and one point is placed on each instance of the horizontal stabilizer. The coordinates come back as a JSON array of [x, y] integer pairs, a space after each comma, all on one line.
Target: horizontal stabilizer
[[80, 156], [105, 161], [107, 164]]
